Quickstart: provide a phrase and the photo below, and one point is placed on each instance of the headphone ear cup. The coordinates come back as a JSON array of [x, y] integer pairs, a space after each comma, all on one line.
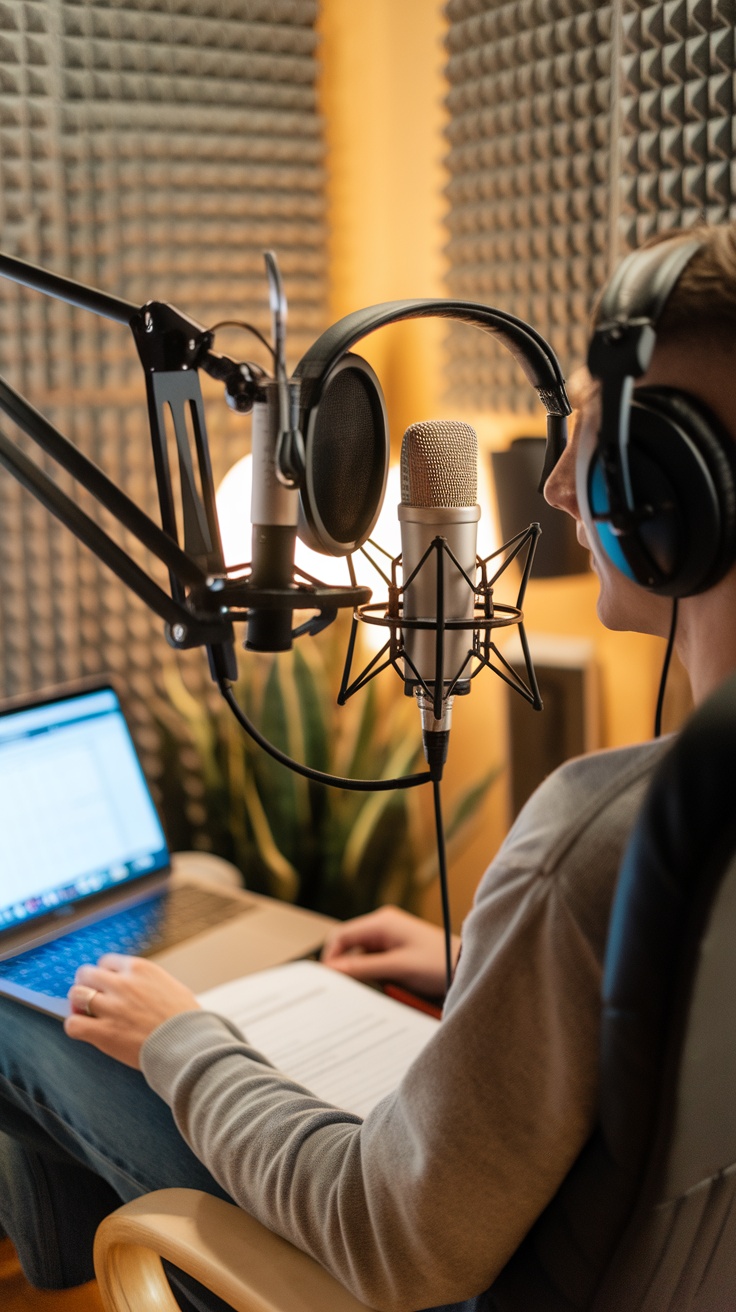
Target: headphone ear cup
[[347, 449], [682, 463]]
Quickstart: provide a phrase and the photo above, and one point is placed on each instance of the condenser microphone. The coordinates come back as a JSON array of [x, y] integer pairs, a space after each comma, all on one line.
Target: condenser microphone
[[274, 518], [439, 493]]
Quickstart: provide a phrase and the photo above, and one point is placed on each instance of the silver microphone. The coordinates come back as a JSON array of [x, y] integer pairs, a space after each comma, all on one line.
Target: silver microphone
[[439, 492]]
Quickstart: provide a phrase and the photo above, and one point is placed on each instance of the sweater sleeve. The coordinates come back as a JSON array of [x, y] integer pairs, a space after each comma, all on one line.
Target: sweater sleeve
[[424, 1201]]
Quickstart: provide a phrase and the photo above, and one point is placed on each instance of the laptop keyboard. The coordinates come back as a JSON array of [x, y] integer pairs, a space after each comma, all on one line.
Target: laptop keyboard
[[161, 922]]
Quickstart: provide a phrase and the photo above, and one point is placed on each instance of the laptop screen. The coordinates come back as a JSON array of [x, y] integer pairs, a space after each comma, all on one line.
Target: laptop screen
[[76, 816]]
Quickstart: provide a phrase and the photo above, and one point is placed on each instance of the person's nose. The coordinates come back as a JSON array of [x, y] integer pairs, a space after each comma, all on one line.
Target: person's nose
[[559, 489]]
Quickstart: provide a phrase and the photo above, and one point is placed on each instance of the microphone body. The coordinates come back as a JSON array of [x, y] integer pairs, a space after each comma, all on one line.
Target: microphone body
[[420, 525], [439, 488], [274, 517]]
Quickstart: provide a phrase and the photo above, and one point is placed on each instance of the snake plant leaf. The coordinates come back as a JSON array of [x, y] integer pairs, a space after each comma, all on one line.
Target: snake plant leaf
[[296, 736], [285, 876], [375, 807], [238, 782], [356, 729], [271, 713], [312, 700], [200, 724], [283, 793]]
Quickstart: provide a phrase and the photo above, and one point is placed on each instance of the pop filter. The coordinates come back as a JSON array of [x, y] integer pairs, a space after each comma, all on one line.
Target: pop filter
[[346, 444]]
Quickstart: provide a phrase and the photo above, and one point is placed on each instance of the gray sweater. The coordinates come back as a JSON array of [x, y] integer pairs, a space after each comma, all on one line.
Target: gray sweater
[[424, 1201]]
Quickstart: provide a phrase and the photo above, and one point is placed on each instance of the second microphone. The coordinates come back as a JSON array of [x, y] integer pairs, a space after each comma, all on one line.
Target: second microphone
[[439, 492]]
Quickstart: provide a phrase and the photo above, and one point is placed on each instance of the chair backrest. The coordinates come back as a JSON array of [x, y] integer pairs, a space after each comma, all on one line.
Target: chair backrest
[[646, 1219]]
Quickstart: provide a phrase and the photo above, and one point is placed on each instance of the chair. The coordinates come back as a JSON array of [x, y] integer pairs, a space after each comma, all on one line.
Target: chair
[[227, 1251], [646, 1219]]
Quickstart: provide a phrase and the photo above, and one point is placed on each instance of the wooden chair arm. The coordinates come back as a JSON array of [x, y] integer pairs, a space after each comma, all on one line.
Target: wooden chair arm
[[218, 1244]]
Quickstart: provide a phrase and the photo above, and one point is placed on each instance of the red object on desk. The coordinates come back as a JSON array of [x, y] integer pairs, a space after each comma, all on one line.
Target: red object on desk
[[413, 1000]]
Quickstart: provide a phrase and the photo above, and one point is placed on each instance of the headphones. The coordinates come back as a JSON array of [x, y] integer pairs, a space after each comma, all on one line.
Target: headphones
[[660, 488], [343, 416]]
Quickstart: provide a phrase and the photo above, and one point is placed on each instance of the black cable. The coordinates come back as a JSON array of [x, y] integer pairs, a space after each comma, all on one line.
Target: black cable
[[665, 671], [248, 327], [336, 781], [444, 888]]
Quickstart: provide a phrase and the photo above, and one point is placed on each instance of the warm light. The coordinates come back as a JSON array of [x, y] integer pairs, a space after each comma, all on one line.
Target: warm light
[[233, 510]]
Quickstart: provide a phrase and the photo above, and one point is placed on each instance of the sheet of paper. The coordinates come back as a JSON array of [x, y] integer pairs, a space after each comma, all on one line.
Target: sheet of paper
[[348, 1044]]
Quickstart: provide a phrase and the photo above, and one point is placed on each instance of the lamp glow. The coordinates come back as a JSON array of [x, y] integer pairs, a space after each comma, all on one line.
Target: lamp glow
[[233, 511]]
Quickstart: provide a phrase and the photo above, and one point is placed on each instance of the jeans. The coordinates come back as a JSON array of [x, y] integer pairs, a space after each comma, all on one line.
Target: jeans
[[79, 1135]]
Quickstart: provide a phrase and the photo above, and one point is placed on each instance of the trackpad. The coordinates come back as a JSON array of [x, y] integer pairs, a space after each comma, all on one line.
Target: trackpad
[[265, 936]]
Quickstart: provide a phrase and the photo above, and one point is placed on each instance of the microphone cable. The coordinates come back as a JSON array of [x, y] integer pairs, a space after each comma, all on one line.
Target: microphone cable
[[318, 776], [247, 327], [444, 884], [364, 785], [665, 671]]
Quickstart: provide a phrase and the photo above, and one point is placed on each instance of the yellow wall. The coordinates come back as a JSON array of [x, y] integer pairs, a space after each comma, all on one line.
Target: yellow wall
[[382, 95], [382, 101]]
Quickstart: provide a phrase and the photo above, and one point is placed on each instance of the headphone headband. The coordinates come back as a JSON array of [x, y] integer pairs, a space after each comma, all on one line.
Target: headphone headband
[[641, 286], [533, 353], [342, 416]]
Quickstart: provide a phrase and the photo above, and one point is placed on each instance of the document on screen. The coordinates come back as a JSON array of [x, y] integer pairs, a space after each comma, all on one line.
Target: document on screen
[[348, 1044]]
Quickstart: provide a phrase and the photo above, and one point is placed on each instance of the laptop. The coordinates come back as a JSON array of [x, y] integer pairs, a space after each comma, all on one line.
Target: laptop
[[85, 868]]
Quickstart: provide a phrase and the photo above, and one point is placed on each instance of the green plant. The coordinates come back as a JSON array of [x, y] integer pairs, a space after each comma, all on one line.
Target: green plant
[[334, 851]]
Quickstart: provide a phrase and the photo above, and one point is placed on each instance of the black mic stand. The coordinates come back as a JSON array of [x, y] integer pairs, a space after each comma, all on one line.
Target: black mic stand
[[204, 599]]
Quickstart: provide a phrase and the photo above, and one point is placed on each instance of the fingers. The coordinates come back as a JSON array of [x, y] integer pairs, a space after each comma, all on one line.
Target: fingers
[[117, 961], [104, 1034], [96, 988], [87, 994], [92, 977], [90, 1013], [119, 1002], [82, 1000], [368, 966], [374, 932], [109, 968], [79, 1026], [368, 938], [390, 945]]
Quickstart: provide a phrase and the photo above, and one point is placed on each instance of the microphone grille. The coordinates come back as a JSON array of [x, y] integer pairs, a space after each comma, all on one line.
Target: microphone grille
[[439, 464]]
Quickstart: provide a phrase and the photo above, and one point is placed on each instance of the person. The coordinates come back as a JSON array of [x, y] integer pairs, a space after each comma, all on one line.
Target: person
[[423, 1202]]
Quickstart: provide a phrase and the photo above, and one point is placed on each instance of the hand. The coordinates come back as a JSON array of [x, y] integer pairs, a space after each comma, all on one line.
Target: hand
[[390, 945], [128, 998]]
